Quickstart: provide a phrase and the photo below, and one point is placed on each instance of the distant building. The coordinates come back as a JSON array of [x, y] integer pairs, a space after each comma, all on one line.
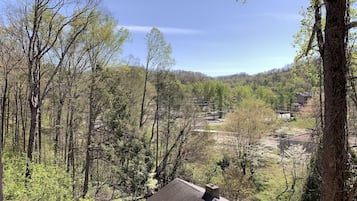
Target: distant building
[[286, 115], [302, 98], [181, 190], [203, 105]]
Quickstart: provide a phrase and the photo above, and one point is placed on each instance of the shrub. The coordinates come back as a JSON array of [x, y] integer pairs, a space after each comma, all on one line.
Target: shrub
[[47, 182]]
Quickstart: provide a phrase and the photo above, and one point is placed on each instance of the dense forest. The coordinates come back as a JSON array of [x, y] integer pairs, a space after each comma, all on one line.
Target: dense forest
[[77, 124]]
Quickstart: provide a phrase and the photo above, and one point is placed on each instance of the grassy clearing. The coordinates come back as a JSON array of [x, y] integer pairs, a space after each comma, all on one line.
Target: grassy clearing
[[272, 184], [270, 180], [303, 122]]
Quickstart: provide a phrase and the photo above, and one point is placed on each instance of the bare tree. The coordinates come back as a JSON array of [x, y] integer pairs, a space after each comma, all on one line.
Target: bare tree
[[10, 60], [294, 159], [37, 30]]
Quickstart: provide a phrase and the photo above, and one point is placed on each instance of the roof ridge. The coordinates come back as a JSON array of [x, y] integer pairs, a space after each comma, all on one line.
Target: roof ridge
[[191, 185]]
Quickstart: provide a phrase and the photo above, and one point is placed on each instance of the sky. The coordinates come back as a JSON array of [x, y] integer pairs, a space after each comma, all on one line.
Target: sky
[[215, 37]]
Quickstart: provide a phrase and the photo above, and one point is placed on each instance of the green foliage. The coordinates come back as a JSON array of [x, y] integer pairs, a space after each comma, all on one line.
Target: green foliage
[[47, 182], [217, 94], [312, 183], [269, 180], [251, 119], [242, 92], [223, 96], [303, 121], [158, 51], [103, 39], [201, 162], [266, 94], [277, 87], [224, 162], [237, 186], [127, 156], [302, 36], [214, 127]]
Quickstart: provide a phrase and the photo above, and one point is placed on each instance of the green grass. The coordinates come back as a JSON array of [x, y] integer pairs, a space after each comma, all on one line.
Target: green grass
[[272, 183], [303, 121], [206, 170], [214, 127]]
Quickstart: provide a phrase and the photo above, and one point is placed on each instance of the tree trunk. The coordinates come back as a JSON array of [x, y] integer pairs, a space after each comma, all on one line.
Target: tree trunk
[[320, 99], [167, 140], [71, 146], [39, 115], [89, 135], [70, 121], [157, 134], [66, 137], [23, 120], [153, 128], [3, 110], [334, 142], [17, 123], [142, 111], [3, 104], [34, 102], [58, 127], [39, 133], [7, 131], [31, 140], [71, 136], [160, 168], [67, 147], [1, 176]]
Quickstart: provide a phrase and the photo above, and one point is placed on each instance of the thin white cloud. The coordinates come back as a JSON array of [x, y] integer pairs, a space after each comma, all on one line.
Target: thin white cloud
[[165, 30], [289, 17]]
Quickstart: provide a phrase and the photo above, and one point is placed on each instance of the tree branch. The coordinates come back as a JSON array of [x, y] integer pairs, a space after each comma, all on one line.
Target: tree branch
[[318, 28], [310, 41], [352, 25]]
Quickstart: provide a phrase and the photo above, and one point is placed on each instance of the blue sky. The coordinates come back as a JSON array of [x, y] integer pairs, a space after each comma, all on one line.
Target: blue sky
[[215, 37]]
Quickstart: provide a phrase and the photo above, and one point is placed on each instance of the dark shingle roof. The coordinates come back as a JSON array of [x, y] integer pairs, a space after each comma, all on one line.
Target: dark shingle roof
[[181, 190]]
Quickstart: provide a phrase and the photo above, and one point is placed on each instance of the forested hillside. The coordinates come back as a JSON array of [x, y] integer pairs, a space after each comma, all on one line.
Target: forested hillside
[[278, 87]]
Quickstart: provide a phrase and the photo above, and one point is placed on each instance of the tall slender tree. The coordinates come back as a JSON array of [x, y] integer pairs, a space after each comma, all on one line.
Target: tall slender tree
[[157, 58], [103, 42]]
